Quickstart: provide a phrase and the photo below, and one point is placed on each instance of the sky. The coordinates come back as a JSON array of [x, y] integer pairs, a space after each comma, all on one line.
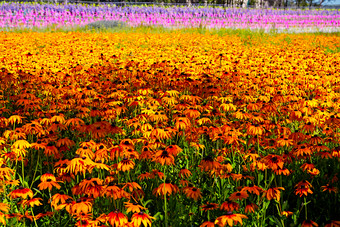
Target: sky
[[336, 2]]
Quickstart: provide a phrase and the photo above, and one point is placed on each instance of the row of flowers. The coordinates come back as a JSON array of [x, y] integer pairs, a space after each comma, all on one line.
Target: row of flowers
[[27, 15], [174, 129]]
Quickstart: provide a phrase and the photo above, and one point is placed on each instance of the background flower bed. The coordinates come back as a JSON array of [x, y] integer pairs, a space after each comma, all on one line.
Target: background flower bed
[[21, 15]]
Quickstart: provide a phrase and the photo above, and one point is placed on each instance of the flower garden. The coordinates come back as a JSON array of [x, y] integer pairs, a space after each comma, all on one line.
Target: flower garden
[[169, 127]]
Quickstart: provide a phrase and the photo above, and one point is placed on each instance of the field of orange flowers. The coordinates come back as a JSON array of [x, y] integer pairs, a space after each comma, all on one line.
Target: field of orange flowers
[[170, 129]]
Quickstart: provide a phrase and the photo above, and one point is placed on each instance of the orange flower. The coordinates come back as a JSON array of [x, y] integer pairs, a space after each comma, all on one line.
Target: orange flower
[[307, 166], [141, 218], [114, 191], [91, 187], [132, 186], [59, 198], [252, 189], [161, 134], [208, 164], [133, 207], [32, 202], [329, 188], [284, 142], [250, 208], [283, 171], [238, 196], [193, 193], [48, 181], [67, 205], [274, 161], [286, 213], [126, 144], [313, 172], [184, 173], [255, 129], [230, 219], [208, 224], [164, 158], [81, 207], [182, 123], [125, 165], [302, 150], [5, 172], [166, 188], [15, 119], [79, 165], [12, 182], [174, 150], [273, 193], [4, 207]]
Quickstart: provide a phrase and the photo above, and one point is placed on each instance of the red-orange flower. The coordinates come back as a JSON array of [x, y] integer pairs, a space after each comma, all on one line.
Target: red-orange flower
[[141, 218], [230, 206], [309, 223], [303, 188], [117, 218], [332, 223], [21, 192], [209, 206]]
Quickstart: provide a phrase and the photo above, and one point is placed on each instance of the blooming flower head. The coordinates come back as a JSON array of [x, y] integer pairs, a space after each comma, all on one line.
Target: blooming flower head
[[133, 207], [192, 192], [273, 193], [117, 218], [309, 223], [209, 206], [21, 192], [48, 181], [303, 188], [166, 188], [230, 219], [140, 218]]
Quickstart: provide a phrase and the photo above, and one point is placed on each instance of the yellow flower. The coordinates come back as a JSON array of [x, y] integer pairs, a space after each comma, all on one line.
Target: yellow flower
[[21, 144]]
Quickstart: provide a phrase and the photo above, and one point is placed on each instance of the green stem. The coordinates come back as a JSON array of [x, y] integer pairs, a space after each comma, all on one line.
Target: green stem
[[35, 222], [165, 202], [258, 145], [22, 168], [279, 210], [35, 171], [305, 202]]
